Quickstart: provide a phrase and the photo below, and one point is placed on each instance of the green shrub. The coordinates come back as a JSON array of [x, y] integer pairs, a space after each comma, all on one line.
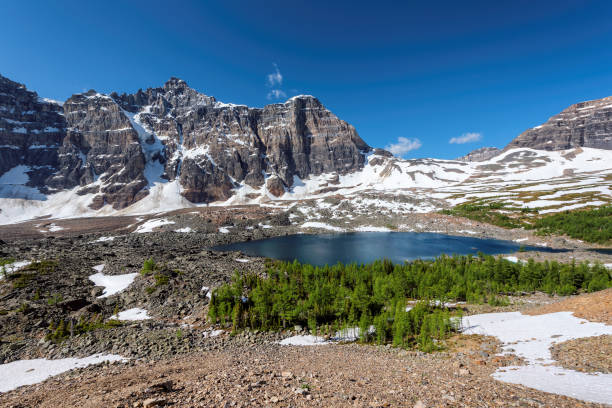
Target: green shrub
[[148, 267], [63, 329], [588, 225]]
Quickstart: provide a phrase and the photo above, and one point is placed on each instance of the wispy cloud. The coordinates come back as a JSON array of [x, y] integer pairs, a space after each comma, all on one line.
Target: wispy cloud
[[276, 94], [275, 78], [403, 145], [275, 81], [466, 138]]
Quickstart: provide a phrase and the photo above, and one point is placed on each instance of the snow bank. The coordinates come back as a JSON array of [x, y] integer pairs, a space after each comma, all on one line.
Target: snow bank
[[27, 372], [307, 340], [150, 225], [322, 225], [370, 228], [242, 260], [105, 239], [531, 337], [13, 267], [113, 284], [184, 230], [224, 230], [132, 315]]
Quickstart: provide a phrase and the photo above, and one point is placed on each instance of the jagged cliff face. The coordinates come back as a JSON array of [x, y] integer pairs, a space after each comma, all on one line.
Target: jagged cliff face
[[31, 133], [585, 124], [118, 146]]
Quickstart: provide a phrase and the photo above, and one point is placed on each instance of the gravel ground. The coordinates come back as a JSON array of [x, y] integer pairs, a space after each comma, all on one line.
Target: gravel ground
[[596, 307], [589, 354], [272, 375]]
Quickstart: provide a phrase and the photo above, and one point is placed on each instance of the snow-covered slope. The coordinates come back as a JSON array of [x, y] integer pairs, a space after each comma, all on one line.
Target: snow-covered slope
[[550, 181]]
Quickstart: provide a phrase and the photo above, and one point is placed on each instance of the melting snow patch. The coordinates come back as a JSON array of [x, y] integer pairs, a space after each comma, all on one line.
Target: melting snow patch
[[185, 230], [307, 340], [132, 315], [54, 228], [148, 226], [521, 239], [370, 228], [322, 225], [104, 239], [27, 372], [531, 337], [609, 266], [242, 260], [212, 333], [12, 267], [208, 292], [224, 230], [113, 284]]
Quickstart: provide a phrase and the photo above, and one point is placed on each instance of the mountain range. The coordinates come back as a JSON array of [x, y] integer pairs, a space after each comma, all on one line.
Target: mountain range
[[173, 147]]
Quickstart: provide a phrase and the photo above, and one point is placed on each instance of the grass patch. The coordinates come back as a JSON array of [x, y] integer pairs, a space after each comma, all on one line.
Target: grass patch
[[490, 213], [160, 275]]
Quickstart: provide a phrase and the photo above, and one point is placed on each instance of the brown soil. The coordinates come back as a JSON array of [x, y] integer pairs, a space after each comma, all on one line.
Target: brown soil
[[596, 307]]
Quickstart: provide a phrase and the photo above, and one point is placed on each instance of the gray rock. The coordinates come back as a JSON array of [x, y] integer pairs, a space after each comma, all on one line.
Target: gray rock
[[585, 124], [482, 154], [104, 143]]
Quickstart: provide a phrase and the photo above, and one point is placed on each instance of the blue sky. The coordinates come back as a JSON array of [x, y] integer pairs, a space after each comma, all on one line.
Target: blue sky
[[417, 75]]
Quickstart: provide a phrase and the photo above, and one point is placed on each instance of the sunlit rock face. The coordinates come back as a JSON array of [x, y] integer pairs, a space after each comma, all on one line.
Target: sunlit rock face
[[118, 146], [585, 124]]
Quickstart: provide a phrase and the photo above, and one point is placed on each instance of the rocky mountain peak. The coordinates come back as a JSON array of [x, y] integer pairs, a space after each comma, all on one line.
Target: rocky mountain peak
[[585, 124], [120, 147], [175, 83]]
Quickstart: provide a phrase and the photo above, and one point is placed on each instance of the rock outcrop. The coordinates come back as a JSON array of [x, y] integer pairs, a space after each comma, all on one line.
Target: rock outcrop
[[482, 154], [31, 132], [118, 146], [585, 124]]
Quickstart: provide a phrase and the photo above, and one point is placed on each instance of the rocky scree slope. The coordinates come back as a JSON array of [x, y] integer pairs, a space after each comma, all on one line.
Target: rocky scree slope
[[118, 146]]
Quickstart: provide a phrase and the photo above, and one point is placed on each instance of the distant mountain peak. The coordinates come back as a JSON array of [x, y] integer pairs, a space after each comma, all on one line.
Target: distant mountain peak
[[584, 124], [480, 154]]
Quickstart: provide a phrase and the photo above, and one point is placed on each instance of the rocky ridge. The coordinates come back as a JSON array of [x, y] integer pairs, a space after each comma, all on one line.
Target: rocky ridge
[[585, 124], [481, 154], [118, 146], [171, 147]]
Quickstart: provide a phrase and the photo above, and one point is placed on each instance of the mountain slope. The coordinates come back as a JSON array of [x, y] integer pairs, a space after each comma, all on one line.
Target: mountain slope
[[172, 147]]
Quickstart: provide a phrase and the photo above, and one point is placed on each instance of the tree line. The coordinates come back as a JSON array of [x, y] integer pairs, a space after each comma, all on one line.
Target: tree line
[[374, 297]]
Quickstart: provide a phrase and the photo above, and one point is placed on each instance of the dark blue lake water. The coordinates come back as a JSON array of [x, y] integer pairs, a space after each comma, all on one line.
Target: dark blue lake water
[[365, 247]]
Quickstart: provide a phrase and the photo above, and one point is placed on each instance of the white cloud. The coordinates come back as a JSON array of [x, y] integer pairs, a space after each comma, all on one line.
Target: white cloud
[[403, 145], [276, 94], [275, 78], [275, 81], [466, 138]]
